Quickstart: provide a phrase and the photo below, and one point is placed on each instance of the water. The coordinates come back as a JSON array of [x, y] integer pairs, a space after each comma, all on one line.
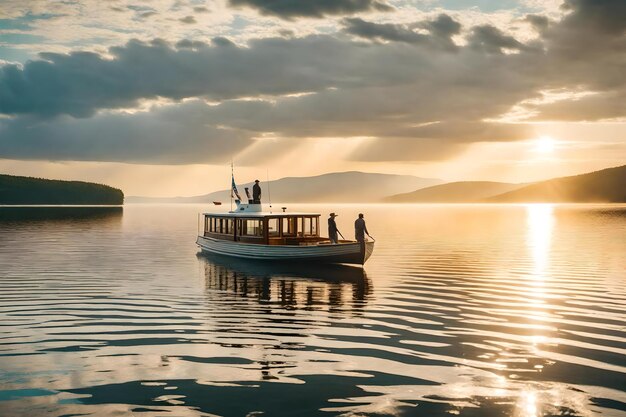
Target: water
[[462, 310]]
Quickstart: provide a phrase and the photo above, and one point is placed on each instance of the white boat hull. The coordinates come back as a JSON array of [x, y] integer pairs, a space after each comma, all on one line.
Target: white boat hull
[[349, 253]]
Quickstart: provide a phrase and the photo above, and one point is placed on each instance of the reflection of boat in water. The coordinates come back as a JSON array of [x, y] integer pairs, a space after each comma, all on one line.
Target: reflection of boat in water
[[323, 272], [288, 284], [248, 232]]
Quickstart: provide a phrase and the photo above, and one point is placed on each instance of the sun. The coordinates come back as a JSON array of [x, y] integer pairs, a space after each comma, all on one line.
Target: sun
[[544, 144]]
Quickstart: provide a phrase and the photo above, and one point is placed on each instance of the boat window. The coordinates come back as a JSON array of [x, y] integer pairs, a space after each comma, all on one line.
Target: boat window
[[314, 226], [272, 227], [219, 225], [300, 226], [289, 226], [307, 226], [253, 227]]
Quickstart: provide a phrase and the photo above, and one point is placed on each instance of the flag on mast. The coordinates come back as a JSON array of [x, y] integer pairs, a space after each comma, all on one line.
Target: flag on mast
[[234, 189]]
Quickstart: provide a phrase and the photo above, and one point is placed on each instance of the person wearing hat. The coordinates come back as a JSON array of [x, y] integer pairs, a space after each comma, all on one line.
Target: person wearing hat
[[256, 192], [332, 228]]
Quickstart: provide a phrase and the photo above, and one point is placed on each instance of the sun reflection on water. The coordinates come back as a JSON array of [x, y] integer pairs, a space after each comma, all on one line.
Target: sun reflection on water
[[529, 404], [540, 221]]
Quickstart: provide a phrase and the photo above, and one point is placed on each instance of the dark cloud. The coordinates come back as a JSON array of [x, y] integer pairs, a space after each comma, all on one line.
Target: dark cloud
[[200, 9], [190, 44], [539, 23], [440, 31], [492, 40], [587, 48], [603, 16], [189, 20], [382, 31], [146, 15], [222, 41], [289, 9], [443, 26]]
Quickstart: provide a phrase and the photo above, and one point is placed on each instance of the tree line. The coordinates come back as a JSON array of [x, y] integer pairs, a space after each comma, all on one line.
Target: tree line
[[29, 190]]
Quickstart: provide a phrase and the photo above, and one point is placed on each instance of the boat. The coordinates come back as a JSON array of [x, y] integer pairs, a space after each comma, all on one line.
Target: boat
[[251, 233]]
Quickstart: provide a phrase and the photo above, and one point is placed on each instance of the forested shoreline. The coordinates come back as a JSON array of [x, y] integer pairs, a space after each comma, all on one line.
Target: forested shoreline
[[38, 191]]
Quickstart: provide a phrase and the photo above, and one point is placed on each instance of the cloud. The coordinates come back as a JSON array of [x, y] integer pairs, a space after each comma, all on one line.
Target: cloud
[[443, 26], [440, 31], [492, 40], [167, 135], [289, 9], [600, 16], [416, 95], [80, 83], [539, 22], [594, 107], [382, 31], [586, 51], [189, 20]]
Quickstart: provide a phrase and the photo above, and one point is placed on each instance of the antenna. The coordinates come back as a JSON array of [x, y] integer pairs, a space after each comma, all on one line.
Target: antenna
[[269, 193], [232, 175]]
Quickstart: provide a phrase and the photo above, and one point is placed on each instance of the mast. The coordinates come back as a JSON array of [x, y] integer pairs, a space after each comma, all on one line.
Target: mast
[[232, 178], [269, 193]]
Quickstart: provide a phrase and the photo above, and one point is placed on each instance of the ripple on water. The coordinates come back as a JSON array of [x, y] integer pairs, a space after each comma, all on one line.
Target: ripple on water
[[470, 310]]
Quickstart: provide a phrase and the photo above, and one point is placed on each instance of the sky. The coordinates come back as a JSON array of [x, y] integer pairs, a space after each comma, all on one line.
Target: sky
[[157, 97]]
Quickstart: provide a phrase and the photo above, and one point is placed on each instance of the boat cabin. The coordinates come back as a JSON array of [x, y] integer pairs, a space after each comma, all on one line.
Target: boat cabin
[[264, 227]]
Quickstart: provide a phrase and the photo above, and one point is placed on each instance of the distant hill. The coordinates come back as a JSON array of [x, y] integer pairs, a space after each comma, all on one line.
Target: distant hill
[[454, 192], [38, 191], [605, 186], [337, 187]]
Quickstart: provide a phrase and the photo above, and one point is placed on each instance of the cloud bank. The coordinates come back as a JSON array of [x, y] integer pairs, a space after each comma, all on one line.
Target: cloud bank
[[420, 90]]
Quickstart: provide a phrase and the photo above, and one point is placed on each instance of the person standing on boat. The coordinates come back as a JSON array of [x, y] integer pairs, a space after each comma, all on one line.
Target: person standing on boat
[[256, 192], [360, 229], [332, 228]]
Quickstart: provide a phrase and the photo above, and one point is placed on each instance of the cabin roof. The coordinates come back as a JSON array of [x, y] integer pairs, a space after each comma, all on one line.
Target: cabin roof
[[261, 214]]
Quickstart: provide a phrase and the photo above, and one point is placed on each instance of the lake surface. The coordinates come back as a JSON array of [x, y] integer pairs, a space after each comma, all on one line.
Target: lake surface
[[462, 310]]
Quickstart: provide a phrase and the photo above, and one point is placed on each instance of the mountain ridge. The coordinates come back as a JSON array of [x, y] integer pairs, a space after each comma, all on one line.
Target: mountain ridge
[[454, 192], [603, 186], [336, 187]]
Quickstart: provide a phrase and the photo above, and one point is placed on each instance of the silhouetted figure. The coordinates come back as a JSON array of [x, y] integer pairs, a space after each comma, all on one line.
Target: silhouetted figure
[[256, 193], [360, 230], [332, 228]]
